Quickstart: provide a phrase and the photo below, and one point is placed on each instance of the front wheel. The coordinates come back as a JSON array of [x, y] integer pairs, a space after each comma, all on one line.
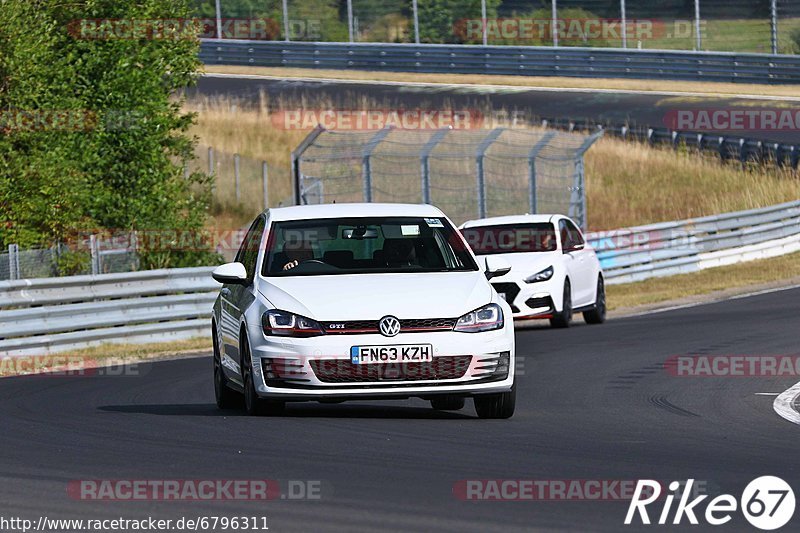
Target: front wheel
[[224, 396], [563, 319], [497, 405], [448, 403], [253, 404], [598, 314]]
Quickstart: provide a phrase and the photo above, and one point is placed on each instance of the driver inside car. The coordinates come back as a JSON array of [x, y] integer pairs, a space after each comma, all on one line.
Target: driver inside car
[[295, 253]]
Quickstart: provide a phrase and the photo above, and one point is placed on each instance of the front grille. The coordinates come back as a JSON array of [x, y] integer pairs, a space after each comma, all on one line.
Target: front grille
[[413, 325], [511, 290], [343, 371]]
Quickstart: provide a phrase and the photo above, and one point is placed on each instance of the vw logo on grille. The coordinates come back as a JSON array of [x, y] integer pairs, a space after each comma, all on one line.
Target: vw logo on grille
[[389, 326]]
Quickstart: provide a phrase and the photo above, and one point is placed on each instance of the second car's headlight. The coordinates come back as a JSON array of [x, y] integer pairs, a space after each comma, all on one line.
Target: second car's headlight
[[484, 319], [285, 324], [544, 275]]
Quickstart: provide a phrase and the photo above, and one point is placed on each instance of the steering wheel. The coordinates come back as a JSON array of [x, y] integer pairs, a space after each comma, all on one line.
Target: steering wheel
[[317, 261]]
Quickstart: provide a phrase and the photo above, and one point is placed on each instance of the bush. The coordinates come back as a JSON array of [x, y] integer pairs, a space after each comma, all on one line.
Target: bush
[[108, 141]]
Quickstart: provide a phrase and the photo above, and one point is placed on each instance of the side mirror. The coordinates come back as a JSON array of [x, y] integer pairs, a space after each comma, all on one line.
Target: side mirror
[[496, 267], [230, 273]]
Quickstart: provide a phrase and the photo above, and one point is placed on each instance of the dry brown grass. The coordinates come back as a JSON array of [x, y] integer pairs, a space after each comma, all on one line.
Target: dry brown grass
[[628, 183], [521, 81], [631, 183], [706, 282]]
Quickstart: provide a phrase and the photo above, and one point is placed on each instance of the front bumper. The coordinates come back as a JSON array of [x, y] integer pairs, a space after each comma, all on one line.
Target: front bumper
[[530, 301], [319, 368]]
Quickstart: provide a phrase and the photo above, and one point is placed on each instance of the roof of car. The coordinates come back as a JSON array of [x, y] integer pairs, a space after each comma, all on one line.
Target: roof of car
[[509, 220], [357, 210]]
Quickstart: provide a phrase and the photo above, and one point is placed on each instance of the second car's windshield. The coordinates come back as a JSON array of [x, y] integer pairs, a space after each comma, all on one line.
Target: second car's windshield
[[365, 245], [486, 240]]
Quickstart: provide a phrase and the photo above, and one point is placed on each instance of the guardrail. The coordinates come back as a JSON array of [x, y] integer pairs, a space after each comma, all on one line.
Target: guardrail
[[46, 315], [505, 60], [665, 249], [54, 314]]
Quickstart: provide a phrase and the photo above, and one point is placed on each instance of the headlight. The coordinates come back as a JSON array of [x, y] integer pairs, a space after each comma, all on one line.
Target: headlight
[[544, 275], [285, 324], [484, 319]]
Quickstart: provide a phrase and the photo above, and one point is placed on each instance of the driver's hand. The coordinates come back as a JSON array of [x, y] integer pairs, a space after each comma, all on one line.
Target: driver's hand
[[290, 265]]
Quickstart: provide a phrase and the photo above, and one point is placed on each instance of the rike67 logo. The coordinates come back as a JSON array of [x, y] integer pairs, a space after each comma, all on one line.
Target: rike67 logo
[[767, 503]]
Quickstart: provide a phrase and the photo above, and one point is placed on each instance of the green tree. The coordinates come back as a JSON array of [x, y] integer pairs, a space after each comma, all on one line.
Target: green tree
[[117, 159], [442, 21]]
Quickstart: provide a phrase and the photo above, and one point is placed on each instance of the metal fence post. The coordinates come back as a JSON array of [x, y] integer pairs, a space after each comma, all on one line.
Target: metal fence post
[[285, 14], [366, 169], [95, 253], [484, 31], [350, 19], [479, 155], [264, 188], [212, 169], [554, 29], [218, 12], [773, 20], [415, 12], [425, 168], [697, 25], [236, 176], [624, 21], [532, 155], [13, 262], [297, 153]]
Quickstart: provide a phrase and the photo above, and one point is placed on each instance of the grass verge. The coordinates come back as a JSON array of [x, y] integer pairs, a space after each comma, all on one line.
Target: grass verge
[[710, 88], [73, 361], [707, 283]]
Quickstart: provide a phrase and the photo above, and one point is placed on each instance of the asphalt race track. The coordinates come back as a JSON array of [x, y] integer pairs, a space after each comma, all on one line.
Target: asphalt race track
[[643, 109], [593, 403]]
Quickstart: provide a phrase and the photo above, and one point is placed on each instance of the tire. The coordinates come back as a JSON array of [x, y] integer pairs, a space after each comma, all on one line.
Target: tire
[[253, 404], [498, 405], [563, 319], [224, 396], [448, 403], [598, 314]]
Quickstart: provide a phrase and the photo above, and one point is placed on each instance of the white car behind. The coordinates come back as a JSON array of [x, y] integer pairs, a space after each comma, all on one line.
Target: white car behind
[[555, 273]]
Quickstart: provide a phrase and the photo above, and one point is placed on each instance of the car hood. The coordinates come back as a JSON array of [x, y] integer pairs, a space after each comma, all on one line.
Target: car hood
[[372, 296], [527, 263]]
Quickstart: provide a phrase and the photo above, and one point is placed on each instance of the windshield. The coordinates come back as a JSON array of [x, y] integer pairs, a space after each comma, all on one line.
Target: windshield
[[518, 238], [365, 245]]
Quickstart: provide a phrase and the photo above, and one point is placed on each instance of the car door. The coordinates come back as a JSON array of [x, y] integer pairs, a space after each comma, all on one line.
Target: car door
[[235, 298], [582, 266]]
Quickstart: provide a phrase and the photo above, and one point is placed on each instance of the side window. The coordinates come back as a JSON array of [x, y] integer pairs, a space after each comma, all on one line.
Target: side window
[[562, 229], [575, 236], [248, 253]]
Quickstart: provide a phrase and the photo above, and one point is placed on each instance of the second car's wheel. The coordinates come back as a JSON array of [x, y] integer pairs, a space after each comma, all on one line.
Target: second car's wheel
[[497, 405], [224, 396], [563, 319], [448, 403], [253, 404], [598, 314]]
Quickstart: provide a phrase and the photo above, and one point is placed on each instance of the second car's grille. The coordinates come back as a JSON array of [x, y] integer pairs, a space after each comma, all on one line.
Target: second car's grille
[[343, 371], [414, 325]]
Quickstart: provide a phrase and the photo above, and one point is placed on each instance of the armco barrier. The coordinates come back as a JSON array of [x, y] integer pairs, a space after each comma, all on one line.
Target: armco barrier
[[668, 248], [508, 60], [40, 316], [46, 315]]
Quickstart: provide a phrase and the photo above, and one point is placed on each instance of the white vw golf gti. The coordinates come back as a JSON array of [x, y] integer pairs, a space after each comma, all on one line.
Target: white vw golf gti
[[555, 272], [361, 301]]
